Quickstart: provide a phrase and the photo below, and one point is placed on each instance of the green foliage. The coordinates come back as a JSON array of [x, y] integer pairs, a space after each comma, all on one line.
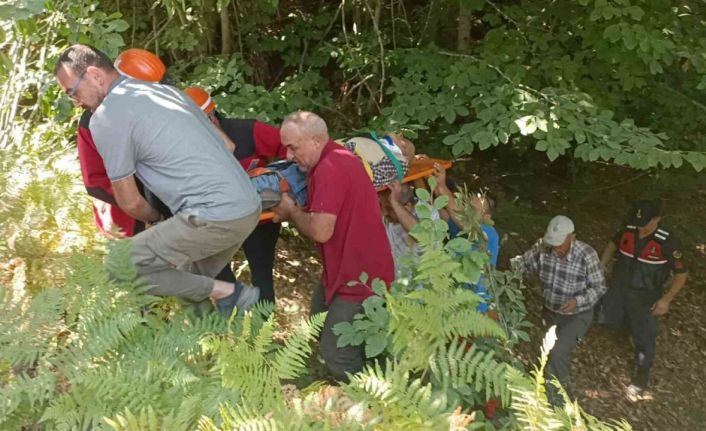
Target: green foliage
[[82, 346], [99, 348], [370, 327], [533, 411], [225, 79], [437, 310], [612, 81], [399, 400], [467, 369], [505, 287], [253, 366]]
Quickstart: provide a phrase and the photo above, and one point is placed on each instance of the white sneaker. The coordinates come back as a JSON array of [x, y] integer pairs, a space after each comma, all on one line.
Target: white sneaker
[[634, 393]]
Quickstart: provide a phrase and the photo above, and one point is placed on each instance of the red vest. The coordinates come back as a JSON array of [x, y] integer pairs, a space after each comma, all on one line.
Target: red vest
[[651, 252], [644, 268]]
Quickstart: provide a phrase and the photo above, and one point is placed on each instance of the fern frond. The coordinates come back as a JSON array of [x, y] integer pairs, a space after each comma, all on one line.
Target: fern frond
[[467, 323], [462, 366], [398, 401], [435, 316], [25, 394], [291, 360], [30, 326], [147, 419]]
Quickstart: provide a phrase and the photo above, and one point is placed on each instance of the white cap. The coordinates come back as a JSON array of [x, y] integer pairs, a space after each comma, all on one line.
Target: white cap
[[559, 227]]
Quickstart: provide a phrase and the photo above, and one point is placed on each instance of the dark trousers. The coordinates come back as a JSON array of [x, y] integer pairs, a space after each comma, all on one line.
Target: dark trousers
[[259, 249], [621, 306], [339, 360], [570, 329]]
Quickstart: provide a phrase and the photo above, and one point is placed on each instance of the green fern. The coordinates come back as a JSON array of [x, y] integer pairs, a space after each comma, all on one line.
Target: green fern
[[250, 364], [461, 366], [397, 400], [29, 326], [436, 316], [146, 420], [534, 413], [291, 361]]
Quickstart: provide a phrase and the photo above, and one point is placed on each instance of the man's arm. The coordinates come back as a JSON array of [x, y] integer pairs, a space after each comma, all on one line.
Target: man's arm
[[131, 201], [608, 254], [317, 226], [406, 219], [662, 305], [230, 145], [673, 252], [101, 195], [528, 262], [595, 281], [439, 174]]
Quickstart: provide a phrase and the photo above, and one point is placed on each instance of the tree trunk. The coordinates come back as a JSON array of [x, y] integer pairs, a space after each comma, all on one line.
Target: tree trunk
[[463, 26], [226, 31], [210, 27]]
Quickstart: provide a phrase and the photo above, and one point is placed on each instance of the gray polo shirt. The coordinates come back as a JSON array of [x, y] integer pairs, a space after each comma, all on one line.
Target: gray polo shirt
[[157, 133]]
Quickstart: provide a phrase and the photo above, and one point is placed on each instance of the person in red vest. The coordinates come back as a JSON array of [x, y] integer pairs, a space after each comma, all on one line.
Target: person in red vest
[[648, 253], [254, 144], [137, 64], [344, 219]]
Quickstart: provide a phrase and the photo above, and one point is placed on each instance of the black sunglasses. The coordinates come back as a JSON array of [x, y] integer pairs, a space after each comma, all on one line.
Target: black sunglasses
[[71, 91]]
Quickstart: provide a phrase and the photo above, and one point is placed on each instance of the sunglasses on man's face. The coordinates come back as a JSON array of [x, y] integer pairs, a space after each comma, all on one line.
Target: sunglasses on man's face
[[71, 91]]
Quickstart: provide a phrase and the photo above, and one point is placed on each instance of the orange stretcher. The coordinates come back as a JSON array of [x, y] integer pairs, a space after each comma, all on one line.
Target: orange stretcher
[[419, 168]]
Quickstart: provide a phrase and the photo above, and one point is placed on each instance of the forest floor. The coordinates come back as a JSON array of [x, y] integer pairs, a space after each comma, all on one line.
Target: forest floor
[[597, 199]]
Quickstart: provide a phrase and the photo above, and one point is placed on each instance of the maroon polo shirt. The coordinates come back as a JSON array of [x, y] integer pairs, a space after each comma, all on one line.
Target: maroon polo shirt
[[339, 185]]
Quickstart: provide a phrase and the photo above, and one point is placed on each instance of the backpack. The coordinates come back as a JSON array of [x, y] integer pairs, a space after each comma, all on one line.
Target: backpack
[[279, 177]]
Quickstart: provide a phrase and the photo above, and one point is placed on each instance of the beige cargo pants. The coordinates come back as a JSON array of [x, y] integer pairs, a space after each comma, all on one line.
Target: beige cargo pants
[[181, 255]]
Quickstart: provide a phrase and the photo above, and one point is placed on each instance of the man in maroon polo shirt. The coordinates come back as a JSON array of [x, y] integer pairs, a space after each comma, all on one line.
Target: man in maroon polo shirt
[[344, 219]]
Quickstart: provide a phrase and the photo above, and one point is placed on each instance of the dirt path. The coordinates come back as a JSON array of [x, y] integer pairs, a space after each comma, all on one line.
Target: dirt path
[[527, 200], [602, 363]]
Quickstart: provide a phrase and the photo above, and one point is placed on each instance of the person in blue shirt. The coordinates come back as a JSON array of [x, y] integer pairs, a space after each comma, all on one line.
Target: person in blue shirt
[[481, 201], [484, 204]]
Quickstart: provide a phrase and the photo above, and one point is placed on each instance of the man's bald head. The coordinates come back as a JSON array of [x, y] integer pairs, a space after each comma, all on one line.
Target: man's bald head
[[305, 135], [307, 123]]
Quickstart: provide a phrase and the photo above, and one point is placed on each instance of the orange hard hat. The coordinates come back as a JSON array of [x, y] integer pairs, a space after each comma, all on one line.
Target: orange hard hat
[[201, 98], [140, 64]]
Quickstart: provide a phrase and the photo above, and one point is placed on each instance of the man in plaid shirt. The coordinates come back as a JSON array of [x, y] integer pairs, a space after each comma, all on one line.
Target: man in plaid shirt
[[573, 282]]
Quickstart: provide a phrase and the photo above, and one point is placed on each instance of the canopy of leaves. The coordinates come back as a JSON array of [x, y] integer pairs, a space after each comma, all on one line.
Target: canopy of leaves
[[620, 81]]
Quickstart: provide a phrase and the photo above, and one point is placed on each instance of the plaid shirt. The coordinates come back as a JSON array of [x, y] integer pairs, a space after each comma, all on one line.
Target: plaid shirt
[[577, 275]]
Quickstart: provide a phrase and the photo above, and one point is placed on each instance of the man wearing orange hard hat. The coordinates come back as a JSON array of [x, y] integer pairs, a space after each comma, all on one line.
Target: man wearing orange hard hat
[[254, 144], [145, 66], [140, 64], [137, 64], [183, 165]]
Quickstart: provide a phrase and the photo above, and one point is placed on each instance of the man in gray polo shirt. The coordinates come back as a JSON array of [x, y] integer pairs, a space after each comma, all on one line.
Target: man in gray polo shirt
[[156, 133]]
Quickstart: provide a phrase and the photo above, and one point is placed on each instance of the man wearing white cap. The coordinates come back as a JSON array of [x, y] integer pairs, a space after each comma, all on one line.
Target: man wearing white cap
[[573, 282]]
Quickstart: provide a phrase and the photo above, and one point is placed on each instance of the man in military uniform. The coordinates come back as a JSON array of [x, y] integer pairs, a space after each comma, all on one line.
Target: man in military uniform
[[647, 254]]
